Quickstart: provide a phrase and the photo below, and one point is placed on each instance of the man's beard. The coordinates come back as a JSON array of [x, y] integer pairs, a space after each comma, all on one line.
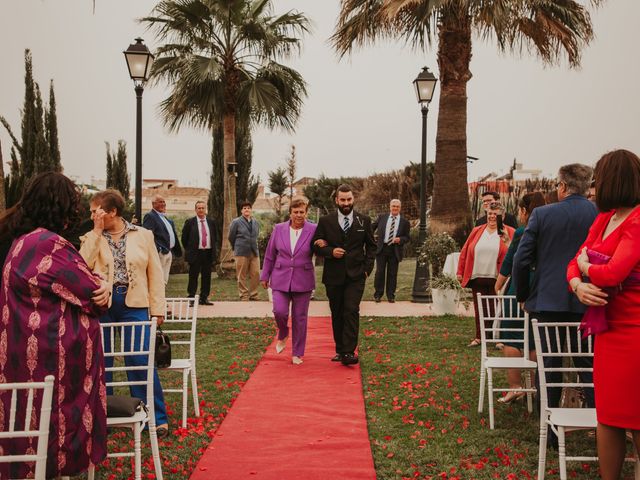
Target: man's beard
[[345, 209]]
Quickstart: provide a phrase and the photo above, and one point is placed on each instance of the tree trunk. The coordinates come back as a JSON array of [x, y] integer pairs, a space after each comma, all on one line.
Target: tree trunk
[[229, 188], [450, 211]]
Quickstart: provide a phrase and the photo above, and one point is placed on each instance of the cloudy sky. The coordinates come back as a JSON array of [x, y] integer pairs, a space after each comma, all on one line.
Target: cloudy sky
[[361, 115]]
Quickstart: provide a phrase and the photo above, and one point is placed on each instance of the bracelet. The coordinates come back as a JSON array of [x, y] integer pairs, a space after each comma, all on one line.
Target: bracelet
[[575, 289]]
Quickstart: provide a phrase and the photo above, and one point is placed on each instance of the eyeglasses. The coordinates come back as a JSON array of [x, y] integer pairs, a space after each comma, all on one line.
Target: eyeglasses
[[560, 182]]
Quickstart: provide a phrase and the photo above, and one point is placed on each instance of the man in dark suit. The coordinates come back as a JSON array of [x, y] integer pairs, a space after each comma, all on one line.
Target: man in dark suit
[[345, 240], [487, 199], [393, 232], [552, 238], [199, 240], [164, 234]]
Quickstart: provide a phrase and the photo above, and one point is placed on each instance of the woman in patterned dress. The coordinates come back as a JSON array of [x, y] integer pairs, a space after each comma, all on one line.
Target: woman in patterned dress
[[50, 302]]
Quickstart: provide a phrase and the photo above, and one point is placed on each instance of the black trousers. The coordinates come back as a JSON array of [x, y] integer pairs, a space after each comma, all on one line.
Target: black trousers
[[201, 267], [344, 301], [386, 272]]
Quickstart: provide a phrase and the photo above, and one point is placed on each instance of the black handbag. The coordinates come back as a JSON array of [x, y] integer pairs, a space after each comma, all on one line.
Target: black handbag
[[163, 349], [123, 406]]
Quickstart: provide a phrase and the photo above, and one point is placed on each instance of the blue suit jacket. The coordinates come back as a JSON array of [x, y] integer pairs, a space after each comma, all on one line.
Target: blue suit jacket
[[552, 238], [153, 222]]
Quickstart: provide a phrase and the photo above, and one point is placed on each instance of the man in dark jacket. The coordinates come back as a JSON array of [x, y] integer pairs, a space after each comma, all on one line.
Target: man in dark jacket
[[345, 239], [199, 240], [392, 231], [164, 234]]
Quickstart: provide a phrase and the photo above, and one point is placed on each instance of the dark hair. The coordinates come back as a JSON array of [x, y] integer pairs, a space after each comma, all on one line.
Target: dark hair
[[49, 201], [297, 202], [531, 200], [617, 180], [551, 196], [110, 200], [200, 201], [344, 188], [246, 203], [495, 195]]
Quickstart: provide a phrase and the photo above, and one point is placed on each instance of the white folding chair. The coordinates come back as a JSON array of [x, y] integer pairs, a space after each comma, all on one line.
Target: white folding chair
[[42, 433], [563, 420], [135, 338], [493, 311], [180, 325]]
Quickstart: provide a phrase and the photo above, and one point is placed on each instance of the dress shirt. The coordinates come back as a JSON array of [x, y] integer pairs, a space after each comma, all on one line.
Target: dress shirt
[[172, 237], [341, 219], [200, 222]]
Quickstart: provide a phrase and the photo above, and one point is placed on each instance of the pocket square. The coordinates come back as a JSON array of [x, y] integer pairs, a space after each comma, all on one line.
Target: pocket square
[[360, 230]]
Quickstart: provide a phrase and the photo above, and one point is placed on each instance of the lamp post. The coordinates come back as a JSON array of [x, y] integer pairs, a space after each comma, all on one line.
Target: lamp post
[[425, 85], [139, 61]]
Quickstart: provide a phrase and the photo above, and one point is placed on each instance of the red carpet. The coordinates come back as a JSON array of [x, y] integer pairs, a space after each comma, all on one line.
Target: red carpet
[[295, 421]]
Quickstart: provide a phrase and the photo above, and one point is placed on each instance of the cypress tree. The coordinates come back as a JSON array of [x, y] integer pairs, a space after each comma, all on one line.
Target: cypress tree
[[41, 155], [109, 166], [246, 183], [29, 130], [51, 132], [122, 179], [2, 184], [216, 192]]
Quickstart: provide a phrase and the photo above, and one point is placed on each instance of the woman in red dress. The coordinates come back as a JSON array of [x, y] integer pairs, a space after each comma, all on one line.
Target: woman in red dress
[[610, 258]]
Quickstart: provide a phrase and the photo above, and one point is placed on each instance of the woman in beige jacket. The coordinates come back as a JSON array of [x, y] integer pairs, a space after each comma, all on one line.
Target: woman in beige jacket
[[126, 256]]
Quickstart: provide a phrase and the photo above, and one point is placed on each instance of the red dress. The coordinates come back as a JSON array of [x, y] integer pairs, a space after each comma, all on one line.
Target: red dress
[[616, 366]]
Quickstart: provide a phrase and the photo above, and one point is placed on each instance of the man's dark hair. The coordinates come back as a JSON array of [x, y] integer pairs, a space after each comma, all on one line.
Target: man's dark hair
[[344, 188], [246, 203], [495, 195], [617, 180], [50, 201]]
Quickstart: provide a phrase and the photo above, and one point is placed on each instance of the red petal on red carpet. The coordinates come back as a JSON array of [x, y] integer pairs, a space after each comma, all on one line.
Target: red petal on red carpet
[[295, 421]]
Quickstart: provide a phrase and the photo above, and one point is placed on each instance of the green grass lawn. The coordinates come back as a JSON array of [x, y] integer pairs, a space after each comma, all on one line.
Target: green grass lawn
[[420, 391], [226, 289]]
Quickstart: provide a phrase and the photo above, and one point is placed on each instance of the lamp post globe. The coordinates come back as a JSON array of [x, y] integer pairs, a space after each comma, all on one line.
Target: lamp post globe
[[425, 85], [139, 61]]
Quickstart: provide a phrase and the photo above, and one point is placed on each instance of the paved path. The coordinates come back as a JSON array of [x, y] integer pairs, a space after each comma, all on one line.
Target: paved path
[[320, 309]]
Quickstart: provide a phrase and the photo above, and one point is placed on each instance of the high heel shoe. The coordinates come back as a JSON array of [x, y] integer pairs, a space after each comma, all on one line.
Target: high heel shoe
[[511, 397]]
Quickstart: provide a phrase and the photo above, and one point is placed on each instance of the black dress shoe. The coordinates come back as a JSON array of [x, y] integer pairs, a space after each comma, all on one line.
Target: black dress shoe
[[162, 432], [337, 358], [349, 359], [377, 299], [204, 301], [392, 300]]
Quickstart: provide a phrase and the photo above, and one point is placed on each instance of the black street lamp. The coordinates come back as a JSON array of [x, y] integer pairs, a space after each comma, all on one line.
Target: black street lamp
[[425, 85], [139, 61]]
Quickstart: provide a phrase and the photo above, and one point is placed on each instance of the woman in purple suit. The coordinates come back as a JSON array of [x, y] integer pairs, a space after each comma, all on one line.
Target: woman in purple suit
[[288, 270]]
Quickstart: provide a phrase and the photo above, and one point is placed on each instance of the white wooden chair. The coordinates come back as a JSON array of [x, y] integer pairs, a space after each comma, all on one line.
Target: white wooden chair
[[142, 342], [492, 311], [180, 325], [42, 433]]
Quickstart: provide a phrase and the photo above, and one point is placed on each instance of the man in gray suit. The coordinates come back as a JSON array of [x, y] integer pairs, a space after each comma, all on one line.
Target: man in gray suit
[[552, 238], [243, 236]]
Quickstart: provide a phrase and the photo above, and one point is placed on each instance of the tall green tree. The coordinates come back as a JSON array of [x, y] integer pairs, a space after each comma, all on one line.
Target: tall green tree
[[278, 183], [550, 29], [32, 153], [118, 176], [220, 59], [292, 167], [3, 204], [51, 132]]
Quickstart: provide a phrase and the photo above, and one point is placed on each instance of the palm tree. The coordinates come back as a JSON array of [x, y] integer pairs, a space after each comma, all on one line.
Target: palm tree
[[551, 29], [220, 60]]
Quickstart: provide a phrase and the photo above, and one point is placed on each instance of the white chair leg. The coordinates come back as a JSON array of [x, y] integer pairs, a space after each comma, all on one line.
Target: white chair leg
[[562, 454], [155, 450], [91, 473], [527, 382], [194, 391], [185, 393], [481, 391], [542, 448], [490, 397], [137, 450]]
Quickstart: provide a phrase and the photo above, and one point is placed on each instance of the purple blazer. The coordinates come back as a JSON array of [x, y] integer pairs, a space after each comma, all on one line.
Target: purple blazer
[[286, 271]]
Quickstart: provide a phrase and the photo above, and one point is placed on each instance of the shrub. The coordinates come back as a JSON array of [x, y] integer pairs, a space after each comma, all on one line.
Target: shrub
[[435, 249], [442, 281]]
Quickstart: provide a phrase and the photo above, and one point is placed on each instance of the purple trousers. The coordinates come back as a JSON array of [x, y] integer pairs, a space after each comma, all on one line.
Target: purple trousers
[[299, 313]]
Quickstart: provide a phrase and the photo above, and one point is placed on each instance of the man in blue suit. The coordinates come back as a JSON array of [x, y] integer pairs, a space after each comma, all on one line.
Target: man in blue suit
[[164, 234], [552, 238]]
